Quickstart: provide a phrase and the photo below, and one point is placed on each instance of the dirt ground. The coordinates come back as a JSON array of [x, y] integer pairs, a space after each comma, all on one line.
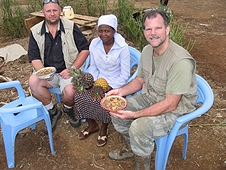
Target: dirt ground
[[206, 148]]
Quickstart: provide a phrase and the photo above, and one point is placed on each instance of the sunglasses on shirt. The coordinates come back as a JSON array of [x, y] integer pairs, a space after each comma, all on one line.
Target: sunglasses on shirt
[[48, 1]]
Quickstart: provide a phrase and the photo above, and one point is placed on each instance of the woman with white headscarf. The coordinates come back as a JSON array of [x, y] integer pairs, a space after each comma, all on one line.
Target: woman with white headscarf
[[110, 59]]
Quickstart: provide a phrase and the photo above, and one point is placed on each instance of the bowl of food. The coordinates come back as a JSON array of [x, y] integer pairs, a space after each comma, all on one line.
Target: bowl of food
[[113, 103], [46, 72]]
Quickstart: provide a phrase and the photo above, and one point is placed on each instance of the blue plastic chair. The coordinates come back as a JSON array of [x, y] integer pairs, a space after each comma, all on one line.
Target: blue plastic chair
[[19, 114], [134, 61], [164, 144]]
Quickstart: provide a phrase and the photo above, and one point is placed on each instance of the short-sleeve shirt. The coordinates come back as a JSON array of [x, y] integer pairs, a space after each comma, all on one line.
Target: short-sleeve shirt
[[179, 76], [53, 54]]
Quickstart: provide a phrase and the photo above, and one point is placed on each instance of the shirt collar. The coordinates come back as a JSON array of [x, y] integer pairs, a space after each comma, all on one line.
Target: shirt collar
[[44, 28]]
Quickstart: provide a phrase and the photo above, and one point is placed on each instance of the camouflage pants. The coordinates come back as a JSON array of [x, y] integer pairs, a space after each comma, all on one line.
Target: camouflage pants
[[141, 133]]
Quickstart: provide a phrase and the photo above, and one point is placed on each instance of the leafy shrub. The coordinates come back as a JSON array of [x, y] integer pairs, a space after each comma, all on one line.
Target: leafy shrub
[[13, 19]]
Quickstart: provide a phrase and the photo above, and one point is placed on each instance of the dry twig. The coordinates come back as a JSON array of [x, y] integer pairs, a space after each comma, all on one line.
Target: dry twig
[[96, 164], [200, 125]]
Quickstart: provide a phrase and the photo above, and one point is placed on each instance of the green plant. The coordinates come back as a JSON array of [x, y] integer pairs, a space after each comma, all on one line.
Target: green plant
[[91, 7], [13, 19], [132, 28], [167, 11], [34, 5], [78, 7], [177, 34], [67, 2]]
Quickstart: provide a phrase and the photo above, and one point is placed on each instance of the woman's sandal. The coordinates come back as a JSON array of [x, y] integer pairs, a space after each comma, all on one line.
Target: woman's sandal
[[84, 134], [101, 140]]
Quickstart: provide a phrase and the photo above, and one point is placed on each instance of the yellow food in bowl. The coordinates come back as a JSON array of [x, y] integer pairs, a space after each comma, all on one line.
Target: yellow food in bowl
[[114, 103], [45, 71]]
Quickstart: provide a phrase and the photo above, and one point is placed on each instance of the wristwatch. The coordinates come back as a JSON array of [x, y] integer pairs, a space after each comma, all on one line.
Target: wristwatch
[[73, 67]]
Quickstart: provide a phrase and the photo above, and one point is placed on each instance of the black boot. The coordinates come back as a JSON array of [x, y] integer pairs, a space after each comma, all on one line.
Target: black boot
[[70, 114], [146, 162], [55, 114]]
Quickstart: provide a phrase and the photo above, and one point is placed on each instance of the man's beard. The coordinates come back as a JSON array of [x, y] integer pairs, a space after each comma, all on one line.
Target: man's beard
[[52, 23]]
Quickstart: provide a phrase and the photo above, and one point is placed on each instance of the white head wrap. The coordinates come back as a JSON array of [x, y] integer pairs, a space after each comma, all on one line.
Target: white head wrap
[[109, 20]]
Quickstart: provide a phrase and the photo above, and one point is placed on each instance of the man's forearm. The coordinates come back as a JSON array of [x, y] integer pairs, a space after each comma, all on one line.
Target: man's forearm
[[81, 58], [132, 87], [37, 64]]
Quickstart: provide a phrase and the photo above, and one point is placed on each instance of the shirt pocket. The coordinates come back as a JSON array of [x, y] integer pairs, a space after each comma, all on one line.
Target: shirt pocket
[[159, 85]]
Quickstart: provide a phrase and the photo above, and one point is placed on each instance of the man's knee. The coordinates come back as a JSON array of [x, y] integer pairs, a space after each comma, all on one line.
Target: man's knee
[[142, 127], [120, 125], [69, 92], [137, 128], [33, 81]]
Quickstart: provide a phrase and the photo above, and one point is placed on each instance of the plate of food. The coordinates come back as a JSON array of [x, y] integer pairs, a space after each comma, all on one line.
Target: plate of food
[[46, 72], [113, 103]]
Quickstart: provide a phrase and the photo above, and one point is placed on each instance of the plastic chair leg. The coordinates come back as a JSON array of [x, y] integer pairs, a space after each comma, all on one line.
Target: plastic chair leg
[[185, 141], [58, 97], [49, 129], [184, 131], [33, 126], [160, 157], [185, 145], [57, 92], [9, 142]]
